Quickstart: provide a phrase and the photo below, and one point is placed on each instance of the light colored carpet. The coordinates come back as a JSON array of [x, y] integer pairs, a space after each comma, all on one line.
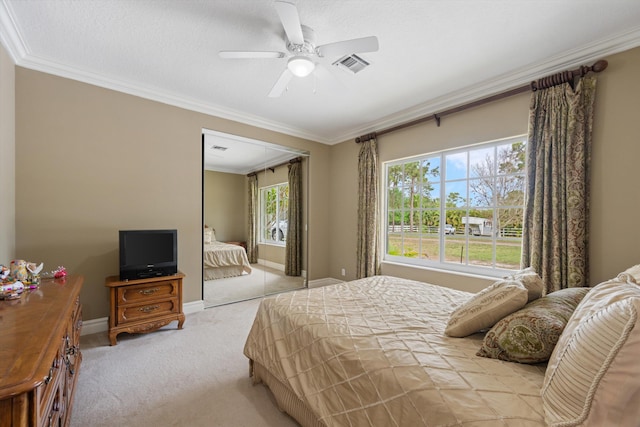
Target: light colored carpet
[[196, 376], [262, 281]]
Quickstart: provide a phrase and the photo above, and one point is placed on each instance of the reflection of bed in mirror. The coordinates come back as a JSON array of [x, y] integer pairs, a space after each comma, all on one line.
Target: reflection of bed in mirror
[[223, 259]]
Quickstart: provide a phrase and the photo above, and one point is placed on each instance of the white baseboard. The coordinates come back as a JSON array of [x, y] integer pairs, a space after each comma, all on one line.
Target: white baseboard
[[271, 264], [276, 266], [324, 282], [95, 326]]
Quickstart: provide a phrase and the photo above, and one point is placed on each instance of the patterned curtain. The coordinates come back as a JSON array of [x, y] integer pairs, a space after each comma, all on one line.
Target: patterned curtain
[[252, 226], [367, 251], [556, 218], [293, 249]]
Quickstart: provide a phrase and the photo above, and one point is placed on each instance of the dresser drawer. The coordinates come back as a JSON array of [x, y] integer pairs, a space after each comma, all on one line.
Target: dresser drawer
[[46, 392], [146, 292], [148, 310]]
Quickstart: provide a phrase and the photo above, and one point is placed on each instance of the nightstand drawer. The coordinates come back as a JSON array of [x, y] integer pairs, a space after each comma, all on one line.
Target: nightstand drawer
[[144, 305], [147, 310], [147, 292]]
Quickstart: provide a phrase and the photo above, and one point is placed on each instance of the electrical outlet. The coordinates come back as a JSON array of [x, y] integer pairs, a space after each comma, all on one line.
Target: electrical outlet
[[344, 272]]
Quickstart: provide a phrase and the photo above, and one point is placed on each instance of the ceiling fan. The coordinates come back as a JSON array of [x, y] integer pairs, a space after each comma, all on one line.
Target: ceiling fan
[[301, 49]]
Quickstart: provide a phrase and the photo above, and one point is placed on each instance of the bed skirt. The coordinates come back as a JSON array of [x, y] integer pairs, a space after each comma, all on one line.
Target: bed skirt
[[222, 272], [287, 401]]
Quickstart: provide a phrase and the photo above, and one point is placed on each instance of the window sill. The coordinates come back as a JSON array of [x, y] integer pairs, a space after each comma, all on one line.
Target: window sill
[[278, 245], [463, 281]]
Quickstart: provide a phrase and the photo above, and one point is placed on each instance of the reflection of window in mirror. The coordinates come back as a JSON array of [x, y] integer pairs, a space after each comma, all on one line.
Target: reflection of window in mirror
[[274, 208]]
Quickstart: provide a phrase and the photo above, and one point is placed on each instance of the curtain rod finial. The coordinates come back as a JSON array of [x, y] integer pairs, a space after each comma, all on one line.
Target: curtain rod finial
[[599, 66]]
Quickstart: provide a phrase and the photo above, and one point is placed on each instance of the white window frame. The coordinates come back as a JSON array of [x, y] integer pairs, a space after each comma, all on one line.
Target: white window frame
[[440, 264], [265, 238]]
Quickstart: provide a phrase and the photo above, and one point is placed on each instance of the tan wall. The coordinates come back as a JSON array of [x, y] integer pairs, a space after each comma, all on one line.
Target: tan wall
[[614, 236], [225, 205], [7, 158], [614, 178], [91, 161]]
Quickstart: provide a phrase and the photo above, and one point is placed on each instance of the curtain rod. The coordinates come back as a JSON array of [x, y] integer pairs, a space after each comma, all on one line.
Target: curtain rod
[[543, 83], [272, 168]]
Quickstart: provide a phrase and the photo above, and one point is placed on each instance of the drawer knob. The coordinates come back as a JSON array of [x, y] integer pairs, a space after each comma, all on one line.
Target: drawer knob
[[149, 308], [148, 291], [49, 377]]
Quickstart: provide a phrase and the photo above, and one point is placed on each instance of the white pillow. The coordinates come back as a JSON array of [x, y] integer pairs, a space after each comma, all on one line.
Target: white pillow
[[634, 272], [208, 236], [531, 280], [593, 374], [486, 308]]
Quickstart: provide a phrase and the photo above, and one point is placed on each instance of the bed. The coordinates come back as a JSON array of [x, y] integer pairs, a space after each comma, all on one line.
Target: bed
[[224, 260], [373, 352]]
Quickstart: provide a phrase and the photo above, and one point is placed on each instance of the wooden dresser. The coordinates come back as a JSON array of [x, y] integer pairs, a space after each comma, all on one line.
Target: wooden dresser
[[40, 354], [144, 305]]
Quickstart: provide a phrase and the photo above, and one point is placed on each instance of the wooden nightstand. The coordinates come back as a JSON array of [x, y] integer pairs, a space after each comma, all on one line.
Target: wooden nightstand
[[144, 305]]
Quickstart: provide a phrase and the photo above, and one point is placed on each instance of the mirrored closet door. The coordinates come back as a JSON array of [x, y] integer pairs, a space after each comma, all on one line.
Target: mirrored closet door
[[255, 218]]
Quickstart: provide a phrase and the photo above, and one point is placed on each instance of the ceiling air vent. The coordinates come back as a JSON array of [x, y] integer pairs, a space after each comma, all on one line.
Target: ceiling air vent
[[352, 63]]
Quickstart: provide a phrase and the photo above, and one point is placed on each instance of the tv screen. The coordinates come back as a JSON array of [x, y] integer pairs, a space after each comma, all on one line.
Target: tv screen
[[148, 253]]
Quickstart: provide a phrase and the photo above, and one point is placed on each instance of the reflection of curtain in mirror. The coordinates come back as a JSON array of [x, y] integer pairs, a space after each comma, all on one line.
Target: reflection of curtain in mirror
[[293, 258], [252, 239]]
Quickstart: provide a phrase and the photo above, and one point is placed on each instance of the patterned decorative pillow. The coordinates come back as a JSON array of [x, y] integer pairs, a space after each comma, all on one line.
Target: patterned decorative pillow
[[486, 307], [595, 362], [530, 335], [531, 280]]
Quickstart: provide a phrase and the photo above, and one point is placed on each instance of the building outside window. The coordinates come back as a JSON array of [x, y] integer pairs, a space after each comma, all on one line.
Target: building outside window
[[458, 209], [274, 208]]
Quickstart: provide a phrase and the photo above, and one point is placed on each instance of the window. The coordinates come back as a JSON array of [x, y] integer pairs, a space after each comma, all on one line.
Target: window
[[459, 209], [274, 208]]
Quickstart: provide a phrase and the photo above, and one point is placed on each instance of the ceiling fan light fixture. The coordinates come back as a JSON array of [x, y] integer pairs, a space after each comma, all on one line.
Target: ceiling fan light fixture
[[300, 66]]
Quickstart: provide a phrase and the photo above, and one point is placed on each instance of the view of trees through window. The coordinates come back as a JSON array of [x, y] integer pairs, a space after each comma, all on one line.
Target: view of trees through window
[[274, 211], [460, 209]]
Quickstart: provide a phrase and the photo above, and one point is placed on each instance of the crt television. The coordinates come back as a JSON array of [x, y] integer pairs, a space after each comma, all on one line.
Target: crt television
[[148, 253]]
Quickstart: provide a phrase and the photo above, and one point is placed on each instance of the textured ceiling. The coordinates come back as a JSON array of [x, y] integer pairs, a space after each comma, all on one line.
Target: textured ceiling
[[433, 54]]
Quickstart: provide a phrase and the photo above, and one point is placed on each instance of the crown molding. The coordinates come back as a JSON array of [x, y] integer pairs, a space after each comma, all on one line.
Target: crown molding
[[505, 82], [19, 52], [9, 36], [21, 56], [159, 95]]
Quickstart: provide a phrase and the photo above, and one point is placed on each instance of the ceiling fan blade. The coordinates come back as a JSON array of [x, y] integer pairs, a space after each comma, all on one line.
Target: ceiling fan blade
[[346, 47], [290, 19], [237, 54], [281, 84]]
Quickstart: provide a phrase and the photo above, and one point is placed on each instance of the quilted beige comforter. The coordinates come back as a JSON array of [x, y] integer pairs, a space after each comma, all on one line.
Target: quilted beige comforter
[[219, 254], [372, 352]]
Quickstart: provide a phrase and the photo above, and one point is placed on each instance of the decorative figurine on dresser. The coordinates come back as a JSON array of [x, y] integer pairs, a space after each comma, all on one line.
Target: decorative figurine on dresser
[[147, 294], [41, 319]]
